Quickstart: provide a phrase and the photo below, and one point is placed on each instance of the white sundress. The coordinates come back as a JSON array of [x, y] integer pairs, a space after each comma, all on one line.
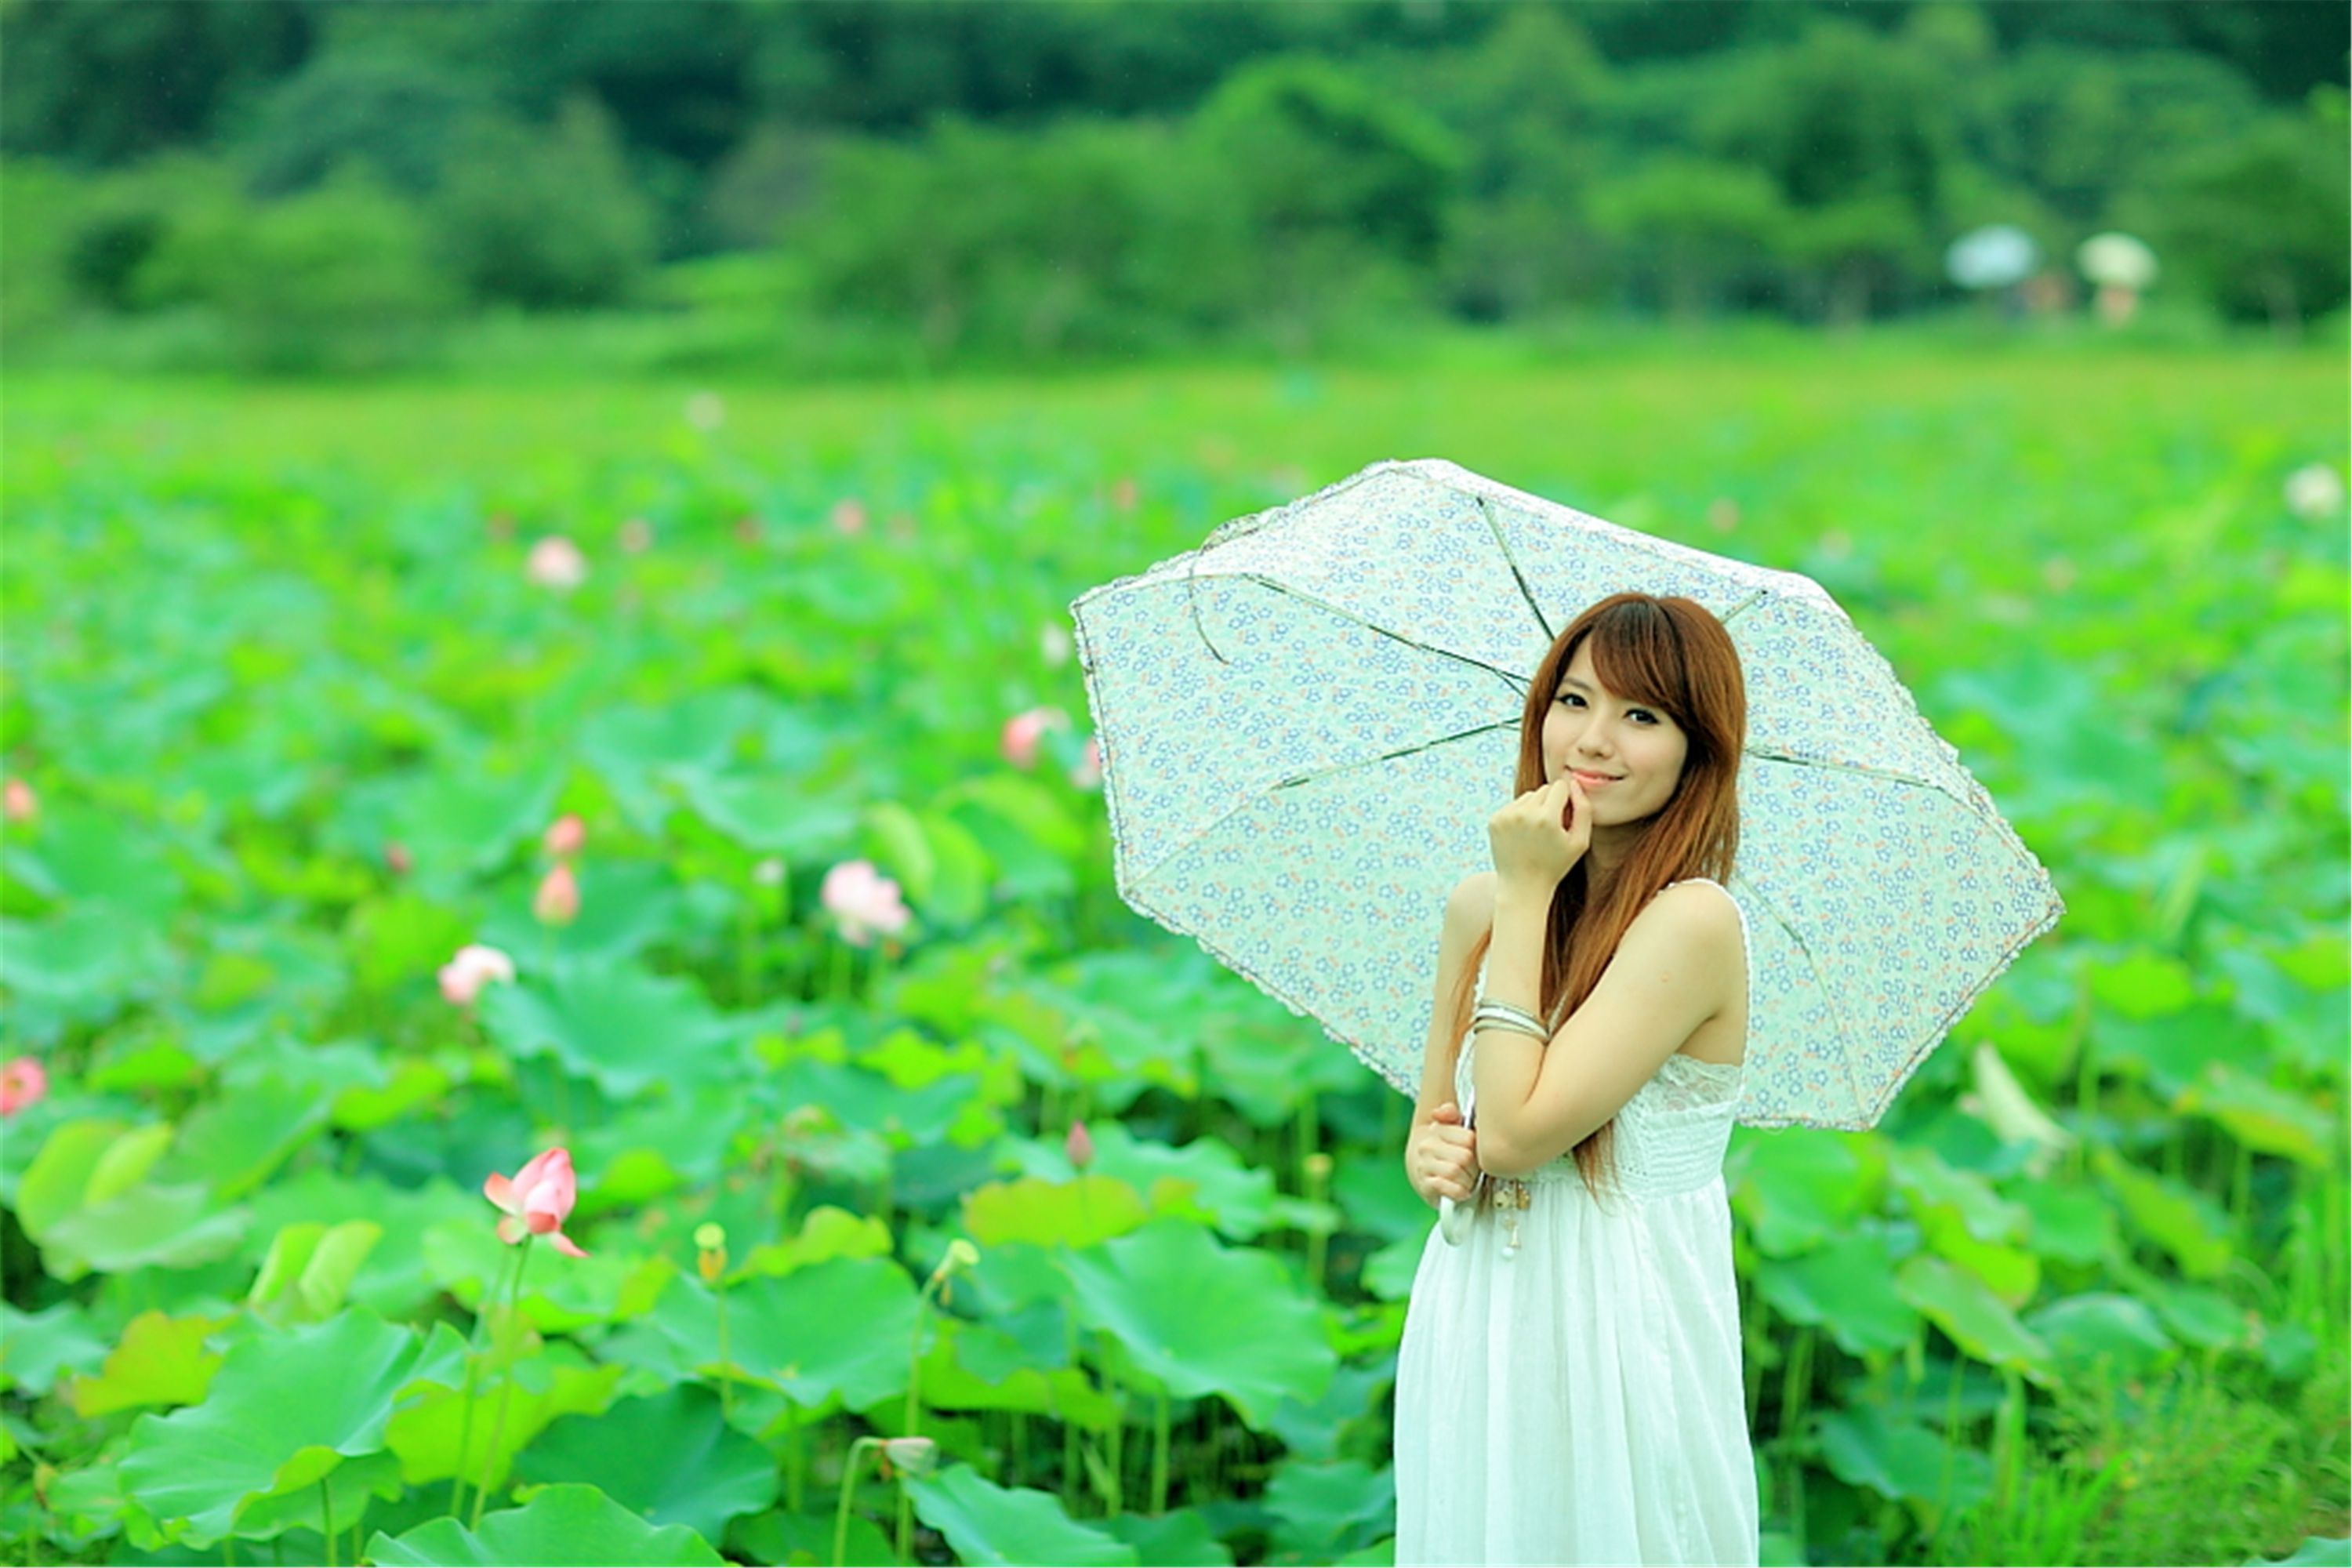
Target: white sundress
[[1581, 1401]]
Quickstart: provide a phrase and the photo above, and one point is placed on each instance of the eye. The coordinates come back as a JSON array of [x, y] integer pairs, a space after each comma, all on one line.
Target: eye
[[1570, 698], [1643, 714]]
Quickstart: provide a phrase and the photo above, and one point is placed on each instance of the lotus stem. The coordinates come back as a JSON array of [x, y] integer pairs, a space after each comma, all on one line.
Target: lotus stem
[[466, 1412], [326, 1519], [1160, 1453], [849, 1487], [506, 1389]]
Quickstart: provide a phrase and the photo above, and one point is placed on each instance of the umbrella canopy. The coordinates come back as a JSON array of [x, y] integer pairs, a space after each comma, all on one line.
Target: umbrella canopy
[[1305, 722]]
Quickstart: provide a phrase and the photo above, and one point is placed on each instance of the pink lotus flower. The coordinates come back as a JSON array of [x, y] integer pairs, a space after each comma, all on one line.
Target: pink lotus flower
[[538, 1201], [1088, 775], [22, 1083], [556, 562], [397, 859], [18, 802], [566, 834], [1024, 732], [557, 903], [637, 536], [1079, 1146], [864, 900], [474, 966], [849, 517]]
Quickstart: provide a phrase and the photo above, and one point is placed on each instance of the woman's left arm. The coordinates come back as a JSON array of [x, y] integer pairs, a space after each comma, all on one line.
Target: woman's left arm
[[1671, 975]]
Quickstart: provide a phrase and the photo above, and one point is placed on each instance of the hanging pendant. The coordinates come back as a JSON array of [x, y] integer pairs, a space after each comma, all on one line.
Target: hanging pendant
[[1512, 1198]]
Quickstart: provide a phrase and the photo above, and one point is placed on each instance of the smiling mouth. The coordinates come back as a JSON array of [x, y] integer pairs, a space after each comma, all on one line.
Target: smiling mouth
[[1594, 778]]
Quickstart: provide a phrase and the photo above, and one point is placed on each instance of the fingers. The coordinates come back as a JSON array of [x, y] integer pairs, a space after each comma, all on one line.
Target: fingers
[[1446, 1113]]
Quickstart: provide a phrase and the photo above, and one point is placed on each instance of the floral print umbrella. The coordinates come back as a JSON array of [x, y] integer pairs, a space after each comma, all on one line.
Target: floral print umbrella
[[1305, 722]]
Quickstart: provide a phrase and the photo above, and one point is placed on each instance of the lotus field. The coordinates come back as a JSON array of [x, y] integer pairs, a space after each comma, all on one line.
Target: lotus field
[[565, 1001]]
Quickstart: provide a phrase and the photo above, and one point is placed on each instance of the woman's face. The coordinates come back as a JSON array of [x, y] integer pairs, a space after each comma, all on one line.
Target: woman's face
[[1627, 755]]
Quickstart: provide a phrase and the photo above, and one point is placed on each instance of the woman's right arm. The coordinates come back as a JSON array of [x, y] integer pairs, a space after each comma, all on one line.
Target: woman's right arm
[[1440, 1155]]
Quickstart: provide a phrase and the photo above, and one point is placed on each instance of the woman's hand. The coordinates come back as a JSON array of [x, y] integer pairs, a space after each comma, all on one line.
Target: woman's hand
[[1538, 838], [1440, 1157]]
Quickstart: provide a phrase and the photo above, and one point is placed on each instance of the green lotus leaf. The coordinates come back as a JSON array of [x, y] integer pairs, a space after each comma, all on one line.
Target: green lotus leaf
[[975, 1366], [2184, 1222], [428, 1433], [1865, 1447], [308, 1269], [1316, 1431], [654, 1146], [81, 858], [837, 1330], [2100, 1332], [1178, 1540], [232, 1143], [558, 1294], [402, 938], [160, 1360], [826, 1232], [766, 820], [1798, 1187], [1975, 1319], [948, 1109], [560, 1526], [283, 1411], [53, 1184], [624, 907], [1046, 1213], [2204, 1318], [1322, 1512], [2143, 985], [988, 1524], [2266, 1120], [667, 1456], [633, 750], [1169, 1295], [1928, 1186], [627, 1030], [352, 1488], [1378, 1198], [2067, 1224], [37, 1348], [392, 1279], [1846, 1285], [804, 1538], [1207, 1180], [82, 965], [409, 1085], [2170, 1051], [148, 1227], [456, 822]]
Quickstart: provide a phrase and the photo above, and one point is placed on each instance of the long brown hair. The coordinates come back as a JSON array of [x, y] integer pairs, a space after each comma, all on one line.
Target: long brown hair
[[1670, 654]]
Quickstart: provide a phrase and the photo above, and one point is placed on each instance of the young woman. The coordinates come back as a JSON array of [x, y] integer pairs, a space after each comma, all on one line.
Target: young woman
[[1568, 1388]]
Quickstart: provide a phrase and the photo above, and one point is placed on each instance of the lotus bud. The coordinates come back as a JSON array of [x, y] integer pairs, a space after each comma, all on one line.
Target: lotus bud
[[537, 1201], [1079, 1146], [711, 1244], [398, 859], [18, 802], [849, 517], [557, 903], [913, 1457], [565, 836], [1024, 732]]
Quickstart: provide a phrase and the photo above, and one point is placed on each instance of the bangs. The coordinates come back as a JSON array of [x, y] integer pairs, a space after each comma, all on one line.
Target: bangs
[[1638, 653]]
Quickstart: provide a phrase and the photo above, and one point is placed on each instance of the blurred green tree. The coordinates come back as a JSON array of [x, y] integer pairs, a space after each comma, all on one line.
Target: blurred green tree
[[1691, 230], [339, 277], [399, 114], [2260, 222], [547, 219], [1857, 130]]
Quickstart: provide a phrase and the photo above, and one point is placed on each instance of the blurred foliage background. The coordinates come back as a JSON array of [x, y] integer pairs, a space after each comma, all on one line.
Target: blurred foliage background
[[824, 187]]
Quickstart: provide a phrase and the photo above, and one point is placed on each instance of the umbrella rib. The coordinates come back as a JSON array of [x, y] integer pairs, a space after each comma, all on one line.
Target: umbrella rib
[[1517, 683], [1494, 527], [1763, 754], [1297, 779], [1745, 604], [1813, 967]]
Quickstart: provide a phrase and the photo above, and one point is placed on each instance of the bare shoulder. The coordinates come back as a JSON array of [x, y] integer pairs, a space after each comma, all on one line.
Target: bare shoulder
[[1470, 908], [1696, 918]]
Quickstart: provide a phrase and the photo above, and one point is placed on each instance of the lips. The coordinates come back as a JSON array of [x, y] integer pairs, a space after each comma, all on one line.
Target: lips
[[1592, 780]]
